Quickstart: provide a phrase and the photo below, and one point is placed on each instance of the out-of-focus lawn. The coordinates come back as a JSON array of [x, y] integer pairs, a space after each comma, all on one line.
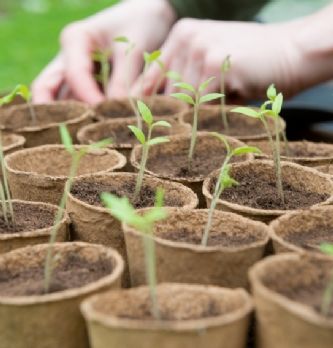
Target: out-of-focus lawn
[[29, 39]]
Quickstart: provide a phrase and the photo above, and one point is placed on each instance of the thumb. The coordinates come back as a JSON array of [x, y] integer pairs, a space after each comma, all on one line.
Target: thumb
[[125, 69]]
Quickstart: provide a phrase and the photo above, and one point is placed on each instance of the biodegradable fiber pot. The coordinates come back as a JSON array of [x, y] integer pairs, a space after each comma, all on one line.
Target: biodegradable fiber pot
[[46, 130], [94, 224], [39, 174], [33, 225], [303, 230], [12, 142], [235, 244], [306, 153], [170, 160], [160, 105], [256, 197], [193, 316], [288, 290], [29, 318], [123, 139], [327, 169], [240, 127]]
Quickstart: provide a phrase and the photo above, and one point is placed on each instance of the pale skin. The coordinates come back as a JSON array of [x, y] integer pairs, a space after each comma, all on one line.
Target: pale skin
[[293, 55]]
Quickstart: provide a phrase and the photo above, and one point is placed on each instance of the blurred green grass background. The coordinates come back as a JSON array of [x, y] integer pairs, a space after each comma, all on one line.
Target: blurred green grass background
[[29, 30]]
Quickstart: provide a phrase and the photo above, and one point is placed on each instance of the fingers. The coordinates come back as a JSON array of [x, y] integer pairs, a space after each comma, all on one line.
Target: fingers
[[125, 70], [46, 86], [78, 46]]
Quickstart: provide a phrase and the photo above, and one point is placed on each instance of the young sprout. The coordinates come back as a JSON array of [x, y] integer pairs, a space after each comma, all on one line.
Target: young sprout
[[146, 141], [149, 59], [195, 98], [225, 67], [103, 58], [224, 179], [122, 210], [76, 155], [275, 105], [129, 49], [327, 249]]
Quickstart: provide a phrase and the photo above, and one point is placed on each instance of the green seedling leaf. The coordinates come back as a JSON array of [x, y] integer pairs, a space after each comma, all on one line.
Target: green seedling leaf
[[205, 84], [158, 140], [162, 124], [99, 145], [173, 75], [151, 57], [66, 139], [145, 112], [20, 90], [122, 39], [209, 97], [327, 249], [184, 85], [183, 97], [277, 104], [226, 65], [244, 150], [246, 111], [138, 134], [226, 180], [271, 92]]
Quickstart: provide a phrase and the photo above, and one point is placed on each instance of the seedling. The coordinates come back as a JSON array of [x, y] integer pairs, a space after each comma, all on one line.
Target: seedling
[[275, 102], [149, 59], [327, 249], [224, 179], [146, 141], [76, 155], [103, 58], [195, 98], [122, 210], [225, 67]]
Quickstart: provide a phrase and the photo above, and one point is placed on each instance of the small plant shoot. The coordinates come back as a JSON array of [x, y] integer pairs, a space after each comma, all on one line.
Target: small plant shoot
[[224, 179], [76, 156], [149, 59], [271, 108], [146, 141], [195, 98], [327, 249], [122, 210], [103, 58], [225, 67]]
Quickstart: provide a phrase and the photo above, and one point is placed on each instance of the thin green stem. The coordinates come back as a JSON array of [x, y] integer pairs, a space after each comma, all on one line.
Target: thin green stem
[[223, 110], [217, 193], [32, 112], [286, 143], [105, 71], [278, 160], [327, 298], [49, 262], [3, 203], [194, 130]]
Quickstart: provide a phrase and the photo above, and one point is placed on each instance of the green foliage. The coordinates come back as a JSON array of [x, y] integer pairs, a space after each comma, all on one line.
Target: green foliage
[[76, 155], [226, 64], [224, 180], [21, 90], [103, 58], [146, 141], [122, 210], [225, 67], [195, 98]]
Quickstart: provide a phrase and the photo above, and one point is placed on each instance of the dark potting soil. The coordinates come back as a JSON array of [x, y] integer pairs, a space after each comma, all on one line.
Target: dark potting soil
[[255, 193], [215, 239], [311, 240], [28, 218], [73, 272], [89, 192]]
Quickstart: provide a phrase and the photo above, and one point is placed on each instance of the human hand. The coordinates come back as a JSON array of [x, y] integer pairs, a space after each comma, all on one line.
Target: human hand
[[146, 23]]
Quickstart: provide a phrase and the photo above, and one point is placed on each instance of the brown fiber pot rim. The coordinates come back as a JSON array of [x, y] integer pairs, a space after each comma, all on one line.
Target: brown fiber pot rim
[[198, 248], [193, 200], [120, 161], [70, 293], [263, 212], [174, 138], [86, 114], [258, 270], [285, 219], [216, 109], [17, 141], [38, 232], [83, 137], [326, 169], [87, 308], [313, 161]]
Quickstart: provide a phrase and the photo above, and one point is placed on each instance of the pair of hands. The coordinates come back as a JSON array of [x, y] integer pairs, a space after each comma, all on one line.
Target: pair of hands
[[260, 54]]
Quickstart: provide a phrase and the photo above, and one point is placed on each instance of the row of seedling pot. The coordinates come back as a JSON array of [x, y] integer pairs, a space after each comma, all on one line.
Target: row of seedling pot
[[134, 223]]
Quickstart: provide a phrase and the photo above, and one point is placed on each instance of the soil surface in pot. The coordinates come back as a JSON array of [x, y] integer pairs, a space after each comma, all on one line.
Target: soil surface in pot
[[256, 193], [73, 272], [175, 304], [28, 218], [311, 239], [216, 238], [89, 192]]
